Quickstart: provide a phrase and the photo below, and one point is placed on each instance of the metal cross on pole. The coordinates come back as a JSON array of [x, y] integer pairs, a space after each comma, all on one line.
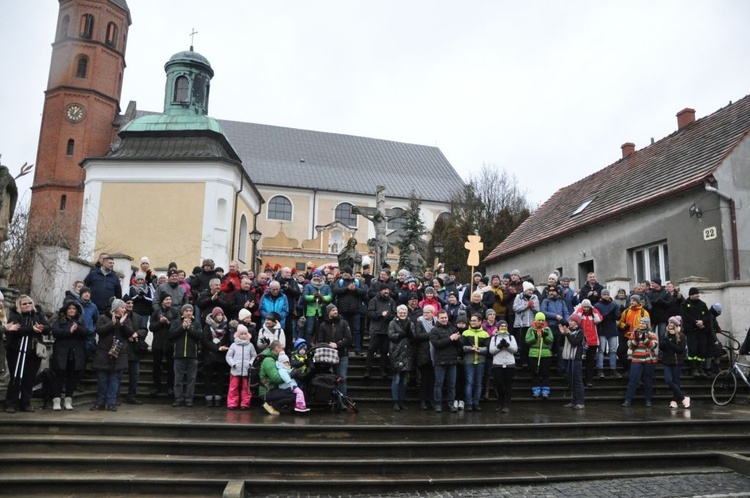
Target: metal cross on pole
[[192, 38], [379, 216]]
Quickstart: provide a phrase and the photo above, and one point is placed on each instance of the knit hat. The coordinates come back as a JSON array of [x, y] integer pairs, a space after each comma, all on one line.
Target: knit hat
[[477, 273], [299, 344], [273, 316], [677, 320], [574, 318], [144, 259], [636, 297], [208, 262], [540, 317], [552, 276], [240, 329], [330, 308], [586, 303], [528, 286], [502, 322], [717, 308], [140, 276], [171, 272], [116, 303], [693, 291], [163, 296], [605, 292], [318, 273], [565, 279], [283, 358], [506, 275], [217, 310], [656, 280], [490, 312], [461, 317], [429, 290], [244, 313], [413, 296], [186, 307], [127, 298], [485, 280], [515, 272], [645, 319]]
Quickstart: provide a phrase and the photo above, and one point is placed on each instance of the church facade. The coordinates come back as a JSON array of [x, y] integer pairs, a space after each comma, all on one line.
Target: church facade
[[182, 186]]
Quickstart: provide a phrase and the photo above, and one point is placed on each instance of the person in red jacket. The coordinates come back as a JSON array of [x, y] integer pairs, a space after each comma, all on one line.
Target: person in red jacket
[[590, 318]]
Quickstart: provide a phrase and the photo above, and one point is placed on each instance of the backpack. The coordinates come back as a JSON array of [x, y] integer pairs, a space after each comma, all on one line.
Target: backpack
[[254, 375]]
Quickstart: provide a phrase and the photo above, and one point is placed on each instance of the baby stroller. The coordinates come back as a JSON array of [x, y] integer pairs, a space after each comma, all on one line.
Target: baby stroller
[[322, 384]]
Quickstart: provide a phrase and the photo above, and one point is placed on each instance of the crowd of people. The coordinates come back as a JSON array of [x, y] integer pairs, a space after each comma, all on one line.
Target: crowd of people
[[458, 339]]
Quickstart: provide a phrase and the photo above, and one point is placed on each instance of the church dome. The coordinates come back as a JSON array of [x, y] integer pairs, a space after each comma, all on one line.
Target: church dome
[[190, 58]]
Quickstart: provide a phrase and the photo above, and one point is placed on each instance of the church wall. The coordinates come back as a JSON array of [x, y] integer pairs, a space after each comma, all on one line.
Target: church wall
[[161, 221], [299, 227]]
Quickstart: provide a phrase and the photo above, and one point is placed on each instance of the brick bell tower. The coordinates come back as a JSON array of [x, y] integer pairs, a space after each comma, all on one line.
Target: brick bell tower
[[81, 105]]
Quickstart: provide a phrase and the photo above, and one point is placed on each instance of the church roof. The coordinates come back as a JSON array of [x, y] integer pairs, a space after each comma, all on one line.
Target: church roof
[[123, 4], [192, 146], [275, 155], [684, 160], [291, 157]]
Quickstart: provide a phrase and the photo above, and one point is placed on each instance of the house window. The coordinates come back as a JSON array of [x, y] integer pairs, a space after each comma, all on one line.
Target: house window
[[181, 86], [82, 67], [111, 38], [71, 147], [651, 262], [63, 202], [87, 26], [280, 208], [64, 28], [444, 216], [344, 214], [583, 206], [242, 245], [396, 223]]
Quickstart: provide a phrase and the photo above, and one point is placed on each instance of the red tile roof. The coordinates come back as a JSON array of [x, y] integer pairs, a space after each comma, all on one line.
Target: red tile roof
[[678, 162]]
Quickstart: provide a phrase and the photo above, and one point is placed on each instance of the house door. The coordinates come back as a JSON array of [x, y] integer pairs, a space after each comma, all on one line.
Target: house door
[[583, 271]]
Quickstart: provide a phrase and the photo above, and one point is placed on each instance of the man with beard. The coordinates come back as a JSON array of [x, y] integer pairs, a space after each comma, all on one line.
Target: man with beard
[[336, 333], [173, 289], [290, 288]]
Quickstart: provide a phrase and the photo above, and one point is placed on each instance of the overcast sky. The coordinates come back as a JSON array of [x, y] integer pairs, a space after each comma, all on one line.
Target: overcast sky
[[548, 90]]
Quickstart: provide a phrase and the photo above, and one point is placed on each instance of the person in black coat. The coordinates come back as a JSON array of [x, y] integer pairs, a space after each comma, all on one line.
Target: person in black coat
[[381, 310], [401, 336], [23, 331], [445, 340], [423, 357], [69, 353], [114, 330]]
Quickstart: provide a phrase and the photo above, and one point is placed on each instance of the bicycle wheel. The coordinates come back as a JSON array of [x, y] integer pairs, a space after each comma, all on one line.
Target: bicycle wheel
[[350, 404], [724, 387]]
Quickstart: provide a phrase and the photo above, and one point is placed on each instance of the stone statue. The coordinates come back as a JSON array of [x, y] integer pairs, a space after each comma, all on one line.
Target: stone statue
[[350, 256], [8, 199], [415, 261]]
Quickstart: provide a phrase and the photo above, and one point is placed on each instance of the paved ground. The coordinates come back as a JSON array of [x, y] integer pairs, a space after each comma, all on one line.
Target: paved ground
[[700, 485]]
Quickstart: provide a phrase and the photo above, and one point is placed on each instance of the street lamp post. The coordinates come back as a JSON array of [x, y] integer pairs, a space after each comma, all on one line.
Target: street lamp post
[[255, 236], [438, 247]]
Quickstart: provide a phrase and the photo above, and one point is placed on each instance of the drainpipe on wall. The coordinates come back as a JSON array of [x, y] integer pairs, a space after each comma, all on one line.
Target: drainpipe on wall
[[234, 215], [733, 221], [314, 209]]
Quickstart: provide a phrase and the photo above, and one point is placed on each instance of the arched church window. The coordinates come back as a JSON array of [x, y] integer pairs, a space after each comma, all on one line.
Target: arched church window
[[87, 26], [64, 28], [63, 202], [82, 67], [71, 147], [344, 214], [242, 240], [111, 38], [444, 216], [280, 208], [396, 223], [181, 86]]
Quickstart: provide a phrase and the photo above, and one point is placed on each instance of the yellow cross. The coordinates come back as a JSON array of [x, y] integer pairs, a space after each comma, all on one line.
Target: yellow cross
[[474, 245]]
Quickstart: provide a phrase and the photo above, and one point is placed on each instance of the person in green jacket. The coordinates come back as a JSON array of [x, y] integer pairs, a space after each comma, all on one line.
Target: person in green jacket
[[274, 397], [475, 341], [539, 338]]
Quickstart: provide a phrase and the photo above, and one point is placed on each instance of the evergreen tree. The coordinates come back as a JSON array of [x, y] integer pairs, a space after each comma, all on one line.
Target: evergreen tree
[[414, 230]]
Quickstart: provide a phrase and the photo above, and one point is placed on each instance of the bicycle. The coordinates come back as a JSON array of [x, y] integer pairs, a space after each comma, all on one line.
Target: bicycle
[[724, 385]]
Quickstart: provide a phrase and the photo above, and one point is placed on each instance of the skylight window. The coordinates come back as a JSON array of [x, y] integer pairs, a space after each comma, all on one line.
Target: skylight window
[[583, 206]]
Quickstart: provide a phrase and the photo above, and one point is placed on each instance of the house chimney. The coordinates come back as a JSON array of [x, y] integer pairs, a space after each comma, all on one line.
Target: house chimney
[[685, 117], [627, 149]]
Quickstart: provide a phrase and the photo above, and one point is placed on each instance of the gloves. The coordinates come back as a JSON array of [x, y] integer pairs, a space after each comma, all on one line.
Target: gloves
[[504, 343]]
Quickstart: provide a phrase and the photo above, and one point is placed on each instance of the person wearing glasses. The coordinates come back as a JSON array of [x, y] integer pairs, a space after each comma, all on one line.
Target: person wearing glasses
[[24, 330]]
